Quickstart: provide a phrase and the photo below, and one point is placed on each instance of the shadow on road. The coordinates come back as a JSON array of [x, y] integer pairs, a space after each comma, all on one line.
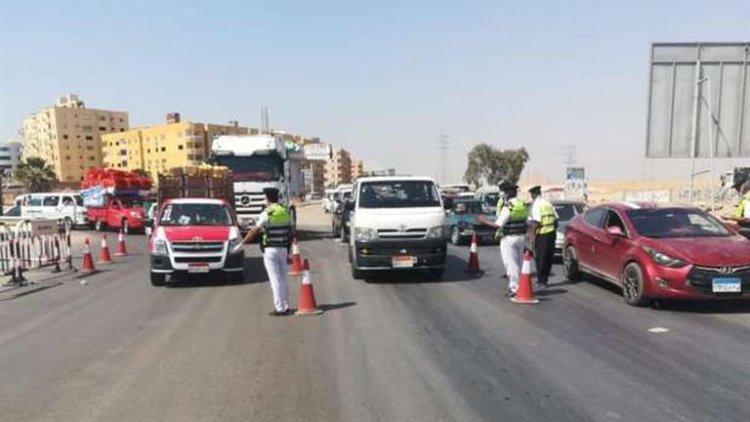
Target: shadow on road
[[727, 306], [454, 273], [310, 235], [255, 272], [552, 291], [333, 306]]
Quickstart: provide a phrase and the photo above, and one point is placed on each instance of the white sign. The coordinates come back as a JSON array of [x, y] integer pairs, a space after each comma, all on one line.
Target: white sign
[[317, 152]]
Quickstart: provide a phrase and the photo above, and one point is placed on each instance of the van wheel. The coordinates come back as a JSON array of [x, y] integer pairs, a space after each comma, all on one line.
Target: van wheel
[[125, 226], [455, 236], [357, 274], [99, 226], [158, 279]]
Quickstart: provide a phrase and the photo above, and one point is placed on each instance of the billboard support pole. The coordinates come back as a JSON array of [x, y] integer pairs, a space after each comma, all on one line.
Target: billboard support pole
[[711, 142], [694, 129]]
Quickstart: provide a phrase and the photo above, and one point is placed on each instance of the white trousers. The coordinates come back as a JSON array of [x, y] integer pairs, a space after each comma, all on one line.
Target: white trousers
[[511, 251], [277, 267]]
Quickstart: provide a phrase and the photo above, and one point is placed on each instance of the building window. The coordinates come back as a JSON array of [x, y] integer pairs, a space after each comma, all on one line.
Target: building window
[[102, 129], [122, 130], [89, 138], [148, 150], [179, 147], [102, 118], [65, 136], [92, 158], [163, 149]]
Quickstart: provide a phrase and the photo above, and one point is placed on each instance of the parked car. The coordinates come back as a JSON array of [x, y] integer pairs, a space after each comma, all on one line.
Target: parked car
[[65, 207], [655, 252], [566, 210], [124, 213], [461, 221]]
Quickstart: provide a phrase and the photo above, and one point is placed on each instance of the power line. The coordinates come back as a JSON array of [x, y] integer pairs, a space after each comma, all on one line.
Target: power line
[[570, 155]]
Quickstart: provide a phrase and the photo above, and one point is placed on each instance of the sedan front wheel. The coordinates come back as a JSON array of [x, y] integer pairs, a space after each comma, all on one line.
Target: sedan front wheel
[[633, 285]]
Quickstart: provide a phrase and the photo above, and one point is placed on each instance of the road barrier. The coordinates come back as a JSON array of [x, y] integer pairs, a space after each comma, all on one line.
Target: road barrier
[[30, 245]]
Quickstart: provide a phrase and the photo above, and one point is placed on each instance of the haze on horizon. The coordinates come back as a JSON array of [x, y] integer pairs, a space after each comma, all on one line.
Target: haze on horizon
[[382, 80]]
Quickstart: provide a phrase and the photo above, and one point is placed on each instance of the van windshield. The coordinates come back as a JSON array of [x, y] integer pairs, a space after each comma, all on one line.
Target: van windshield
[[195, 215], [398, 194]]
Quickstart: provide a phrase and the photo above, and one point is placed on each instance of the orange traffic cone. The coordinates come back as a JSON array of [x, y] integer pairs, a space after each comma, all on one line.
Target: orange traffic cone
[[525, 294], [307, 304], [88, 260], [473, 257], [104, 256], [121, 249], [296, 268]]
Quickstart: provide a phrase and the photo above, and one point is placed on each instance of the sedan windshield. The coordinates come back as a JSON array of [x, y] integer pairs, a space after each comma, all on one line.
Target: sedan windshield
[[195, 215], [398, 194], [676, 222], [567, 211]]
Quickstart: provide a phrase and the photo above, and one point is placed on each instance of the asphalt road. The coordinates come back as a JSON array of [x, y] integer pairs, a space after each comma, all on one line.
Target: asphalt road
[[400, 349]]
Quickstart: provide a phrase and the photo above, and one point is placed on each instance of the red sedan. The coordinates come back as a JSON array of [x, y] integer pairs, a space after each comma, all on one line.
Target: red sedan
[[657, 252]]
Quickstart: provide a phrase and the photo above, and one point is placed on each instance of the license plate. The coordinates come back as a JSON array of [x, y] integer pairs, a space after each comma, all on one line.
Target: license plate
[[198, 268], [403, 261], [727, 285]]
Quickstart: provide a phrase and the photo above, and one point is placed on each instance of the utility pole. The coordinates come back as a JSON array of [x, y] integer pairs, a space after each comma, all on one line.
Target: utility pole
[[265, 127], [570, 155], [443, 146]]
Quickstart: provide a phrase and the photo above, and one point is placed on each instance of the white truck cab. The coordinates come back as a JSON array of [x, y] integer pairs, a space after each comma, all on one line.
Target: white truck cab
[[397, 224]]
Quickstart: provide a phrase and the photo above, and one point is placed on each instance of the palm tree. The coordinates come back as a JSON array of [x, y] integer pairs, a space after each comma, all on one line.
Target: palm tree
[[35, 174]]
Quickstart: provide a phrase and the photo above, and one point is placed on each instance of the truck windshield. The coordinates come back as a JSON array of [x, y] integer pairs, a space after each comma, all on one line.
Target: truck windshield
[[132, 202], [195, 215], [398, 194], [256, 168]]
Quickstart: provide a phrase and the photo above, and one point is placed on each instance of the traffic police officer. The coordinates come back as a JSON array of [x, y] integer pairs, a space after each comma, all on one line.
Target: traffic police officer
[[512, 220], [742, 212], [543, 228], [275, 224]]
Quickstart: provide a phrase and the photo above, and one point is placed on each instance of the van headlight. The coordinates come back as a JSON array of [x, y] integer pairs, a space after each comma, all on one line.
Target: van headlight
[[435, 233], [160, 247], [233, 242], [363, 234]]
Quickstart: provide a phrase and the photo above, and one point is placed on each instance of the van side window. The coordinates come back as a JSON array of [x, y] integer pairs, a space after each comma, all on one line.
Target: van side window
[[33, 201], [51, 201], [68, 201]]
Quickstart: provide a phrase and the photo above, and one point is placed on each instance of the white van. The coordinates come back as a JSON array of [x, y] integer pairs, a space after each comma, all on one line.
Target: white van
[[65, 207], [397, 224]]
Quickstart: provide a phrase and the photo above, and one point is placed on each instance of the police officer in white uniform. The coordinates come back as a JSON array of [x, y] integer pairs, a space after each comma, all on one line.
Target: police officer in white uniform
[[543, 230], [512, 220], [275, 224]]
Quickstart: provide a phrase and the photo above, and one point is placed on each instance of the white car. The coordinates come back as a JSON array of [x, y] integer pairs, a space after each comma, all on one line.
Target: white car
[[397, 224]]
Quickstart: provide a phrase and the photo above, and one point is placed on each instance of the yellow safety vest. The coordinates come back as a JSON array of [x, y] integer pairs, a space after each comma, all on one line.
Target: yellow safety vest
[[547, 225], [742, 206]]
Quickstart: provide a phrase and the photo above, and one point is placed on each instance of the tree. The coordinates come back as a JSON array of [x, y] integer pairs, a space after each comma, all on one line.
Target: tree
[[35, 174], [491, 165]]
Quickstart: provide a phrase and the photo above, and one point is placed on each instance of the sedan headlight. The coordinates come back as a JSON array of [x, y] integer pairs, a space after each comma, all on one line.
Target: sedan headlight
[[364, 234], [160, 247], [663, 259], [435, 232]]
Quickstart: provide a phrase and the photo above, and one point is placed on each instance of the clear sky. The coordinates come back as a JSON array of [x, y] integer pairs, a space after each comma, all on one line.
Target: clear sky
[[380, 79]]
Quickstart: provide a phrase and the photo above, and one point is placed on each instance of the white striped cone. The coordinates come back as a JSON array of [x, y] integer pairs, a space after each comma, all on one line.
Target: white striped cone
[[306, 277], [526, 267], [295, 249], [473, 248]]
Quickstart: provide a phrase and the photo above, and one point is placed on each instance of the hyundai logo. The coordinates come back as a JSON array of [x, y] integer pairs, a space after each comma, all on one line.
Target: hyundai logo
[[726, 270]]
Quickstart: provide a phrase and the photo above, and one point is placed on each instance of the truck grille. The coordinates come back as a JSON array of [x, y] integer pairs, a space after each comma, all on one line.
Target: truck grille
[[400, 234], [249, 202], [197, 247], [700, 278]]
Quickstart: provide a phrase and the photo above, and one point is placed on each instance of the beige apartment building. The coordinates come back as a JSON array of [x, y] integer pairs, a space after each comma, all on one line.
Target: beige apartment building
[[68, 136], [158, 148], [339, 168], [358, 169]]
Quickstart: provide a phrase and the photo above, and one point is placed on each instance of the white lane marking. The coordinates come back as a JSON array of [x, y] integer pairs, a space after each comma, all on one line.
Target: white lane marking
[[658, 330]]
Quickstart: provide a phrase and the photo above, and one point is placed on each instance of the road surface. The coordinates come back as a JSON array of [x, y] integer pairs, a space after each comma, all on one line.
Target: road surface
[[118, 349]]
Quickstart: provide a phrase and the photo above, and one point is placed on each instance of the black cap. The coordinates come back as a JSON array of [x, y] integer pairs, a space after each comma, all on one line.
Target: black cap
[[535, 190], [272, 194], [508, 187], [739, 182]]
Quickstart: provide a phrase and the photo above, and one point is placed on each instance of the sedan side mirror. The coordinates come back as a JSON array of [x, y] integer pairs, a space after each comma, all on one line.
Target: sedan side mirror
[[615, 231]]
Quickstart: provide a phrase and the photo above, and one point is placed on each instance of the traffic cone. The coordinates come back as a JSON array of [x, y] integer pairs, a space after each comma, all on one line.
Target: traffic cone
[[104, 256], [88, 260], [307, 304], [296, 268], [473, 257], [525, 294], [121, 249]]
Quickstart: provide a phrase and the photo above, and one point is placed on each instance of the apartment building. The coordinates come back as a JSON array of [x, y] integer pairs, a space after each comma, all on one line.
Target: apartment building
[[158, 148], [338, 169], [358, 169], [68, 136], [10, 155]]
